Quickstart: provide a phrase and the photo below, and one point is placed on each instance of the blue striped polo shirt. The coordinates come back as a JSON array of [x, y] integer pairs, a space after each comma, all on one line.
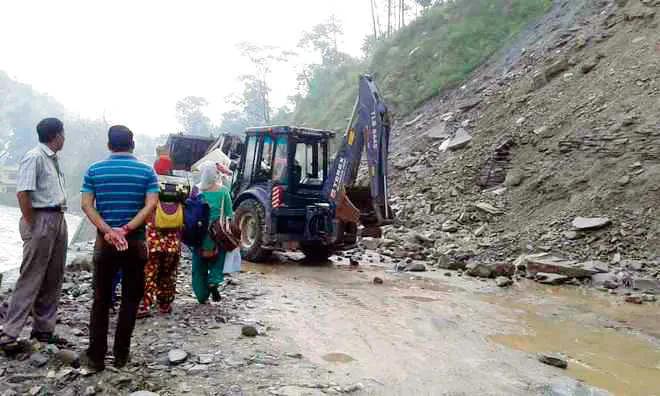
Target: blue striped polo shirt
[[120, 185]]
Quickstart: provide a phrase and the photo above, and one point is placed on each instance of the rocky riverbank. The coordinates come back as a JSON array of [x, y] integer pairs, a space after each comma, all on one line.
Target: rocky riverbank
[[212, 349]]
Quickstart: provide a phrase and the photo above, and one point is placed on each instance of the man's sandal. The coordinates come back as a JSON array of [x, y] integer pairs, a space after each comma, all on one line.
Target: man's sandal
[[9, 345]]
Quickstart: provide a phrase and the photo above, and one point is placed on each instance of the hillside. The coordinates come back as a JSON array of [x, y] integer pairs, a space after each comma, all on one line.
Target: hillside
[[564, 123], [436, 51]]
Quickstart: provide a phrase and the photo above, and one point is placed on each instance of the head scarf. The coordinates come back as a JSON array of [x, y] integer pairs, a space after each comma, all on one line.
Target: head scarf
[[209, 175]]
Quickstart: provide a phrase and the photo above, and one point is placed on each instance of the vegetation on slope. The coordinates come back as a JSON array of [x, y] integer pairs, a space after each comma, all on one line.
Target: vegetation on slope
[[436, 51]]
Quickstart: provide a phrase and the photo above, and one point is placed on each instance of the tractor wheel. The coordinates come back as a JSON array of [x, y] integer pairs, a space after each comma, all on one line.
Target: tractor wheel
[[251, 219], [316, 252]]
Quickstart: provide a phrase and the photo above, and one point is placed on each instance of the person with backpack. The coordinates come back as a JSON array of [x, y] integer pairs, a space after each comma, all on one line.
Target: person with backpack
[[164, 228], [208, 257]]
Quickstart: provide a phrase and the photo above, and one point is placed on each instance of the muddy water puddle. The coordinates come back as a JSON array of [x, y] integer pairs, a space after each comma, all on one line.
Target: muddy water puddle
[[337, 357], [620, 361]]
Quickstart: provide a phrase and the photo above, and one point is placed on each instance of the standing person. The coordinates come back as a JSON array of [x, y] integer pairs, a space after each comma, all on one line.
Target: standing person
[[41, 197], [208, 261], [163, 164], [117, 196], [164, 246]]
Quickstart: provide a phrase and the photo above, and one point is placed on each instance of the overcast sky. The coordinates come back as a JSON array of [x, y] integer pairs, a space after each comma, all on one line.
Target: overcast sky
[[132, 60]]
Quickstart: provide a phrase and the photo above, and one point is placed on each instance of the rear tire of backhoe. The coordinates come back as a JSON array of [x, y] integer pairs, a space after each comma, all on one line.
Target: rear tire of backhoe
[[251, 219], [316, 252]]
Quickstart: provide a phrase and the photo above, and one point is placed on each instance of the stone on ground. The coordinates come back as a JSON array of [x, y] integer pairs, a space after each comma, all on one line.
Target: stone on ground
[[553, 360], [554, 265], [176, 356], [590, 223], [249, 331]]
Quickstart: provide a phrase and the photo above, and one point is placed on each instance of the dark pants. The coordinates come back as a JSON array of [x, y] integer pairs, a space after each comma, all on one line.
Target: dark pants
[[107, 262]]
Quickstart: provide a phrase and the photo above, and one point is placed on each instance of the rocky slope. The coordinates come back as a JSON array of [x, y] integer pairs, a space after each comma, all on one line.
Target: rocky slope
[[563, 124]]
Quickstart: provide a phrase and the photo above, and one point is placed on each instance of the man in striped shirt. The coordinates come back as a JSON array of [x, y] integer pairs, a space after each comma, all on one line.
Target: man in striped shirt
[[118, 194]]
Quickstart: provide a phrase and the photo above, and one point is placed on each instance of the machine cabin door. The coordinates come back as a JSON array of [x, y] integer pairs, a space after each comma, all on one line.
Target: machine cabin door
[[247, 165]]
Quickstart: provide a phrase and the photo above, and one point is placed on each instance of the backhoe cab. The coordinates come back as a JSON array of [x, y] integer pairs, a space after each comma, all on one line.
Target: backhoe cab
[[278, 192]]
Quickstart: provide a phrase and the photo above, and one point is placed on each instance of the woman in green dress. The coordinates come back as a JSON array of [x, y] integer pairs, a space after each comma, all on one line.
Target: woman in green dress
[[208, 261]]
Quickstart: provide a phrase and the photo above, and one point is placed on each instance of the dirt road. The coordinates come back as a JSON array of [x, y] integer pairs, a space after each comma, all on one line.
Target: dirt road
[[329, 329], [438, 334]]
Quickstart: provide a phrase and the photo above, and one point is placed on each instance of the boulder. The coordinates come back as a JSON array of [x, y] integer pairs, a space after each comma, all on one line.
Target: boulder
[[415, 267], [503, 281], [249, 331], [461, 139], [176, 356], [553, 265], [38, 360], [635, 299], [550, 279], [490, 270], [488, 208], [596, 265], [590, 223], [553, 360], [438, 131], [446, 262], [608, 280]]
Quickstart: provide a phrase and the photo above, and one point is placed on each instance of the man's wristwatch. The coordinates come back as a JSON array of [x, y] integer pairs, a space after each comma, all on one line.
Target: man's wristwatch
[[126, 228]]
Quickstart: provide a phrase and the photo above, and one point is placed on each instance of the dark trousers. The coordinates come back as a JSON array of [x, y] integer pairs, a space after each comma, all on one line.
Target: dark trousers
[[107, 262]]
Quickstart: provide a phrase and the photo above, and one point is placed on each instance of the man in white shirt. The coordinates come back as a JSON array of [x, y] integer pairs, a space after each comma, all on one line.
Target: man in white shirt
[[42, 199]]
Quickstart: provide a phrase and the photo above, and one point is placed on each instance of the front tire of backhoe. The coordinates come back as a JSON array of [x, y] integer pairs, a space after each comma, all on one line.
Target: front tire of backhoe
[[251, 219]]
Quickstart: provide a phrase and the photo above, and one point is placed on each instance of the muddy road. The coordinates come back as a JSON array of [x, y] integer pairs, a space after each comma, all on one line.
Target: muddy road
[[439, 334], [329, 329]]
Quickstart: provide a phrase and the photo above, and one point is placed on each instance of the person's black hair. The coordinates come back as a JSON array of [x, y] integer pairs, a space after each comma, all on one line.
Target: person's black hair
[[48, 129], [120, 138]]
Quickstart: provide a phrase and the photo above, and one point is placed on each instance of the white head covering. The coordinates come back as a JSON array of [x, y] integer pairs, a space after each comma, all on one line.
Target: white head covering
[[209, 175]]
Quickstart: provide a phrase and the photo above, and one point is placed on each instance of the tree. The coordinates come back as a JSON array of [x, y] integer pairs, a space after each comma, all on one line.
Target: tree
[[190, 114], [324, 39]]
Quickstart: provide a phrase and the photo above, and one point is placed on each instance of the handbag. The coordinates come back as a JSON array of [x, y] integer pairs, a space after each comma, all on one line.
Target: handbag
[[232, 261], [169, 215], [223, 232]]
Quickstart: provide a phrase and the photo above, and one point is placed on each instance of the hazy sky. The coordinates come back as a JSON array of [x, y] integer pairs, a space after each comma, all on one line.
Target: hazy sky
[[132, 60]]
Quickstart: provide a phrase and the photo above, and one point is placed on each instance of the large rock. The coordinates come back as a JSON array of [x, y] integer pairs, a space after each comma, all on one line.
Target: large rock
[[461, 139], [490, 270], [608, 280], [446, 262], [590, 223], [550, 279], [553, 360], [177, 356], [553, 265], [415, 267], [438, 131]]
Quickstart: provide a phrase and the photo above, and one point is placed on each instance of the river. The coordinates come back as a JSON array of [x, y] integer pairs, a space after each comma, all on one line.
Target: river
[[11, 245]]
